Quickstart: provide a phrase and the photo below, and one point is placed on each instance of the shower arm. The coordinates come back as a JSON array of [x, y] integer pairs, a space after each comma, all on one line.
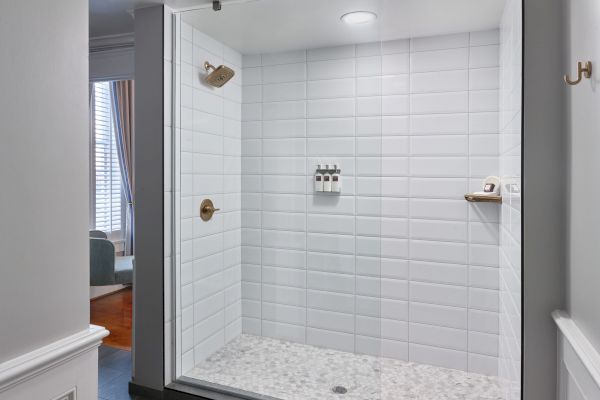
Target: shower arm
[[208, 66]]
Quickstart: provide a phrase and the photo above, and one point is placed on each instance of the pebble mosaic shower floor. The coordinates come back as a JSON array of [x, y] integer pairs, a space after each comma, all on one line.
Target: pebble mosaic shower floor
[[293, 371]]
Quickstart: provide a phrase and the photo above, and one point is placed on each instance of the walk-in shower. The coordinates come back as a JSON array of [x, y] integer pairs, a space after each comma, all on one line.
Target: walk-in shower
[[341, 258]]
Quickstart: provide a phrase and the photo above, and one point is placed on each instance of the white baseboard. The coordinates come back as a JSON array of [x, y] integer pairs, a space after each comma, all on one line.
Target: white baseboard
[[578, 362], [55, 370]]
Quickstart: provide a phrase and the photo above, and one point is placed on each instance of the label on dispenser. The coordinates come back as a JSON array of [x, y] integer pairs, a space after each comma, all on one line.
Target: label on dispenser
[[336, 184], [318, 183], [327, 183]]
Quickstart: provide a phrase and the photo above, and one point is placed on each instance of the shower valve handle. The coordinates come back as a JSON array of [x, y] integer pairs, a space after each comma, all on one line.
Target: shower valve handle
[[207, 209]]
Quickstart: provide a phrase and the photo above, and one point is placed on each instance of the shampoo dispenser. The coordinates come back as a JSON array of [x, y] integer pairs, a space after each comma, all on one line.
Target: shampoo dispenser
[[319, 179], [327, 178], [336, 182]]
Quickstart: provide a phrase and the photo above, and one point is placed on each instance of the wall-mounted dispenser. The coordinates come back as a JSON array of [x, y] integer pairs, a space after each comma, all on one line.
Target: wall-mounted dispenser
[[327, 178], [319, 178]]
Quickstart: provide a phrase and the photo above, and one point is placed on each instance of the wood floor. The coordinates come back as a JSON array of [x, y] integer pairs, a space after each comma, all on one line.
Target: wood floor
[[114, 313]]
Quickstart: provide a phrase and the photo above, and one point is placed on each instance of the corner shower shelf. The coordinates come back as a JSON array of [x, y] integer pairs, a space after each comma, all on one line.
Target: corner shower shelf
[[477, 198]]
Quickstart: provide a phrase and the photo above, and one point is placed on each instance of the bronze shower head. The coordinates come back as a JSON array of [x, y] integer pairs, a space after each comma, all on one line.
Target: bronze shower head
[[219, 76]]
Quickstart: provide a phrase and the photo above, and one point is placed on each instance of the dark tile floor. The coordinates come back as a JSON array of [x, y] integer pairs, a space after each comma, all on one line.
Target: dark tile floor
[[114, 374]]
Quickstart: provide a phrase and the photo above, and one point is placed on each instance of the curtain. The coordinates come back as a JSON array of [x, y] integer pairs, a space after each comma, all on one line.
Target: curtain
[[122, 99]]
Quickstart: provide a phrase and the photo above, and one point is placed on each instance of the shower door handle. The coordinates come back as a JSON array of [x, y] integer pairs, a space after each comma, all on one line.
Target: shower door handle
[[207, 209]]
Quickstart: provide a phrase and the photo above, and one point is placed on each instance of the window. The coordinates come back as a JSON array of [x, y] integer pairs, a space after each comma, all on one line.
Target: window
[[106, 194]]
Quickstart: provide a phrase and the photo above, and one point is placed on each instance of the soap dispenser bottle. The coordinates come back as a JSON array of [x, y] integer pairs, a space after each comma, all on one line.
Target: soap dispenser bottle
[[327, 178], [319, 178], [336, 183]]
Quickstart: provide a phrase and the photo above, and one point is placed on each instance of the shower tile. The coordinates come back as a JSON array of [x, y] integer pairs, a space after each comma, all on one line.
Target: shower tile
[[484, 38], [395, 64], [284, 110], [445, 358], [453, 231], [207, 42], [330, 243], [458, 123], [343, 303], [369, 49], [439, 42], [450, 167], [284, 73], [436, 315], [484, 78], [283, 221], [483, 100], [331, 321], [484, 56], [342, 224], [331, 53], [252, 76], [438, 103], [251, 60], [440, 60], [329, 339], [368, 66], [395, 84], [395, 46], [331, 88], [330, 147], [368, 106], [446, 145], [483, 299], [456, 296], [331, 108], [284, 128], [331, 69], [294, 333], [443, 81], [284, 91], [284, 147], [369, 86], [327, 127], [288, 57], [395, 105]]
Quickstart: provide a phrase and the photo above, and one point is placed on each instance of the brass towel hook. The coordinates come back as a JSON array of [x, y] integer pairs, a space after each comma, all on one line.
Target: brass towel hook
[[586, 71]]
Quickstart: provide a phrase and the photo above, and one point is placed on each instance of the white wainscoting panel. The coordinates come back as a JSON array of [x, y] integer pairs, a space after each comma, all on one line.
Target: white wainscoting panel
[[578, 362], [55, 370]]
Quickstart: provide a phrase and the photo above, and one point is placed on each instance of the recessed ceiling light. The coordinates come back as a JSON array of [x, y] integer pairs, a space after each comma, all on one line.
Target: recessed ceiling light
[[358, 17]]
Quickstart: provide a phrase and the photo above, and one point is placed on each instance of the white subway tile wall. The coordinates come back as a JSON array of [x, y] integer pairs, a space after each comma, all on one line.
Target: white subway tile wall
[[510, 215], [398, 264], [398, 259], [209, 158]]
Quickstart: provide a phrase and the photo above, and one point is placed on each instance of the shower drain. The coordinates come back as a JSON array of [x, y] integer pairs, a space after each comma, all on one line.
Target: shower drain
[[339, 389]]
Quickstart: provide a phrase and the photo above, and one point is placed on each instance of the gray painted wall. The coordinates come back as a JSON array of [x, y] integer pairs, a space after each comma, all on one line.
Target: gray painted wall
[[148, 354], [582, 26], [543, 194], [44, 273]]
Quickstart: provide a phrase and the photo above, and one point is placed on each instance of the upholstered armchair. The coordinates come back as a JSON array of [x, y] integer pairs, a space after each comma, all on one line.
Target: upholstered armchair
[[105, 267]]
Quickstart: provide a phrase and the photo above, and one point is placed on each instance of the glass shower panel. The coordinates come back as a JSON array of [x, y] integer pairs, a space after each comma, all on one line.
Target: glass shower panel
[[278, 285], [393, 286]]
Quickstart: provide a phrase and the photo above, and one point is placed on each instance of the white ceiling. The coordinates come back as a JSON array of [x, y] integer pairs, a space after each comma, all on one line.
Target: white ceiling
[[261, 26], [113, 17]]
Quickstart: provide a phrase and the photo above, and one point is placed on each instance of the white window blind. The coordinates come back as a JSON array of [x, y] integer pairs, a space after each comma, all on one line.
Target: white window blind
[[107, 196]]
